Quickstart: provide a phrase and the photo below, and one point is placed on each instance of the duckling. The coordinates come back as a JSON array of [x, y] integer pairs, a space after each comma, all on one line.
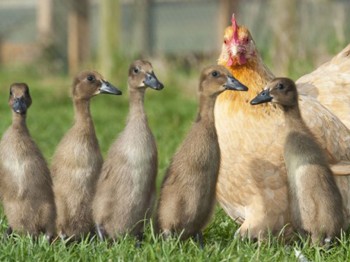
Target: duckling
[[77, 161], [315, 200], [25, 181], [187, 194], [126, 188]]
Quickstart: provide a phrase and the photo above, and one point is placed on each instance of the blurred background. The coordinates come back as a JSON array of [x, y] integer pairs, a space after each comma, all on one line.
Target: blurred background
[[45, 42], [66, 35]]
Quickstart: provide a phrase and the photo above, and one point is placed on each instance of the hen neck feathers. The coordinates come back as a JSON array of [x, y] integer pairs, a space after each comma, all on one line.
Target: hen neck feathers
[[255, 75]]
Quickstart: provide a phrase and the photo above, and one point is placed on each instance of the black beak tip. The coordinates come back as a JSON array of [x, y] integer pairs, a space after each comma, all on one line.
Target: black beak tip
[[160, 86], [253, 102], [244, 88]]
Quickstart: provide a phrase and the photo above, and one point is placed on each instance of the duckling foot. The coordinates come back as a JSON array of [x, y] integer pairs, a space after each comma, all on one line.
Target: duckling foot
[[139, 239], [199, 238], [49, 237], [63, 236], [166, 234], [238, 235], [67, 239], [325, 242], [101, 232], [7, 233], [299, 255], [244, 233]]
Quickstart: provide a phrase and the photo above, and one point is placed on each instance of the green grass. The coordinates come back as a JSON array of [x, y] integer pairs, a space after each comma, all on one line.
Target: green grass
[[170, 113]]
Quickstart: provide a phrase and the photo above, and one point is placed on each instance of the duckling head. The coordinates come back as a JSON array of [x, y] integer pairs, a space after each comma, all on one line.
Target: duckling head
[[281, 91], [90, 83], [141, 76], [216, 79], [19, 99]]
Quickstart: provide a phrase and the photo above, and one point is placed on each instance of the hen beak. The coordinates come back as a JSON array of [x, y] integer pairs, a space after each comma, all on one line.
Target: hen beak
[[233, 84], [19, 106], [263, 97], [153, 82], [107, 88]]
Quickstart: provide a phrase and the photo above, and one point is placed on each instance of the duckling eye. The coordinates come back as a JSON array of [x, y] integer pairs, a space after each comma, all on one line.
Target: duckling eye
[[90, 78], [215, 73], [136, 70], [280, 86]]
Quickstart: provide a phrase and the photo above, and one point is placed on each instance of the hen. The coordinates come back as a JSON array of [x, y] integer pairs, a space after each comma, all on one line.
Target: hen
[[252, 183]]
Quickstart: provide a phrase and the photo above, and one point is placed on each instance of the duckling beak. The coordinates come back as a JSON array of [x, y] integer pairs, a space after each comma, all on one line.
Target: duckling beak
[[19, 105], [107, 88], [153, 82], [263, 97], [233, 84]]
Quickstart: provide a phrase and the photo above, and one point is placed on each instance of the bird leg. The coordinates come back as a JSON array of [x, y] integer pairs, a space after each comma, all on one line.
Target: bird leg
[[101, 232], [199, 238]]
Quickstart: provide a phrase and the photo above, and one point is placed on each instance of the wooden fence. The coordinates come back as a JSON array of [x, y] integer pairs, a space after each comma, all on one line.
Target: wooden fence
[[71, 32]]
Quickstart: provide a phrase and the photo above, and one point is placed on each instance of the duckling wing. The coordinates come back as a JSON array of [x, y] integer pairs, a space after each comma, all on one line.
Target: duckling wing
[[330, 85]]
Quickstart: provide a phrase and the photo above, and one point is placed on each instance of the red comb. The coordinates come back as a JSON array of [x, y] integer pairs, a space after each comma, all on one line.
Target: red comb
[[234, 27]]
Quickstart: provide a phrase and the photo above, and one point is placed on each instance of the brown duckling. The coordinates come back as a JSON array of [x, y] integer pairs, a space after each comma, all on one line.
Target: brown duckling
[[187, 194], [126, 189], [315, 200], [77, 161], [25, 181]]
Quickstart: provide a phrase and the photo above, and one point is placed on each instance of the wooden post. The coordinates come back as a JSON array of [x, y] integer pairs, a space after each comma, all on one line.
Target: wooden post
[[284, 29], [109, 34], [142, 27], [78, 34], [225, 10], [44, 22]]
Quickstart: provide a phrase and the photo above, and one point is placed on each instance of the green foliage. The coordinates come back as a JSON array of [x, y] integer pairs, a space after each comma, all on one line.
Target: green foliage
[[170, 112]]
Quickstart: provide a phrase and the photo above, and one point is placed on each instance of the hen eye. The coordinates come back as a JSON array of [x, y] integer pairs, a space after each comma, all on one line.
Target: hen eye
[[280, 86], [10, 92], [90, 78], [225, 41], [136, 70], [215, 73]]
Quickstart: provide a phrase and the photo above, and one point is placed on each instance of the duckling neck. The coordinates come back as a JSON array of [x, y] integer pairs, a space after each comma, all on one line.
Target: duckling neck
[[136, 103], [293, 118], [19, 122], [82, 112], [206, 109]]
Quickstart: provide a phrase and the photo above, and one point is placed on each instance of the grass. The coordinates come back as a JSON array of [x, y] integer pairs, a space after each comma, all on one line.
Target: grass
[[170, 113]]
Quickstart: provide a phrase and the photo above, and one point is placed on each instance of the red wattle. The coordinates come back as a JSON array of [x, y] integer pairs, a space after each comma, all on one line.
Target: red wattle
[[229, 62], [242, 59]]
